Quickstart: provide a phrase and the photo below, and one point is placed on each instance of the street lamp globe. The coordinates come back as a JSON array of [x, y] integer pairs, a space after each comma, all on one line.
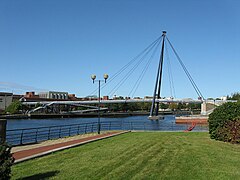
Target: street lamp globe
[[105, 76], [93, 77]]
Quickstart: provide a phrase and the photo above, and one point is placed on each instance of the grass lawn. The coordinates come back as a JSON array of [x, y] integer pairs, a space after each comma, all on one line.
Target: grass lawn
[[139, 155]]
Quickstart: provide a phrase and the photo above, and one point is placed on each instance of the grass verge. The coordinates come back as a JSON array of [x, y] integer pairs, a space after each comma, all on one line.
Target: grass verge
[[139, 155]]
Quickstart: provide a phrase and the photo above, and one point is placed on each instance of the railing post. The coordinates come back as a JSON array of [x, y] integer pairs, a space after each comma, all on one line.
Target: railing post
[[60, 130], [85, 129], [110, 126], [36, 136], [21, 138], [99, 130], [69, 132], [49, 131], [3, 127], [131, 126], [78, 130], [92, 127]]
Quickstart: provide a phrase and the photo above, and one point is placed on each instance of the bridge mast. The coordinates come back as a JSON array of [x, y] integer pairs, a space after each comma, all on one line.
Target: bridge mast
[[158, 83]]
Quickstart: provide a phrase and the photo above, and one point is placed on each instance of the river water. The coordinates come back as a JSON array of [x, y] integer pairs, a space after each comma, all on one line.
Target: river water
[[167, 124]]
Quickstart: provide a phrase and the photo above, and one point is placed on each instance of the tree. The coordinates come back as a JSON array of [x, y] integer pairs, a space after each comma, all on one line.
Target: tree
[[164, 106], [234, 96], [181, 106], [173, 106], [14, 107], [210, 98], [147, 106], [192, 106]]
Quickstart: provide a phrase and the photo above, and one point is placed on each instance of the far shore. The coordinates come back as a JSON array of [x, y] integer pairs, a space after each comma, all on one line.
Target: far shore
[[86, 115]]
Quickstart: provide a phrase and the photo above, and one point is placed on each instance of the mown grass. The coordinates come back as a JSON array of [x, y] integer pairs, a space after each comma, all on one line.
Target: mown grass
[[139, 155]]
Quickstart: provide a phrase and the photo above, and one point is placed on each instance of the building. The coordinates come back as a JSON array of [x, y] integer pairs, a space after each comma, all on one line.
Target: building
[[223, 98], [105, 97], [72, 97], [53, 95], [5, 100], [31, 95], [90, 98]]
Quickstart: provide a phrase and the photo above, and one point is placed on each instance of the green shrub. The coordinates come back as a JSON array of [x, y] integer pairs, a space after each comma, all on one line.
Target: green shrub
[[219, 120], [230, 132], [6, 161]]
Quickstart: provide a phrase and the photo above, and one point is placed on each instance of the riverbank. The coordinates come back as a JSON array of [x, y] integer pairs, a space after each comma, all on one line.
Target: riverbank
[[72, 115]]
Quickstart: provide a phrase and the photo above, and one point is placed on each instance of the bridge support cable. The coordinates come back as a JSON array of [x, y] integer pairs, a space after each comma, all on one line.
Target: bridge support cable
[[130, 72], [186, 71], [114, 76], [144, 70], [170, 75], [139, 80], [157, 88]]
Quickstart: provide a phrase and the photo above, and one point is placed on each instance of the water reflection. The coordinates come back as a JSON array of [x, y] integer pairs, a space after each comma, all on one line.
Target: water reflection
[[132, 122]]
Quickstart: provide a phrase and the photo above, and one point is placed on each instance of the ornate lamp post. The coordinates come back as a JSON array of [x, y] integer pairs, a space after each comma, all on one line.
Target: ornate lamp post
[[105, 76]]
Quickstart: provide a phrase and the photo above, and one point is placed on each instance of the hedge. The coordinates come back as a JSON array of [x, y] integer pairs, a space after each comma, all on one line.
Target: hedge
[[222, 119]]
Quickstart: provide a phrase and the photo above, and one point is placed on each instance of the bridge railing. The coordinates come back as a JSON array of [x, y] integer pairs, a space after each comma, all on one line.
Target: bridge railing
[[35, 135]]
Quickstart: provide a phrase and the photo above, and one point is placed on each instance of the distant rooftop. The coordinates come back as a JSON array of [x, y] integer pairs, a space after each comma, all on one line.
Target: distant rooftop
[[5, 94]]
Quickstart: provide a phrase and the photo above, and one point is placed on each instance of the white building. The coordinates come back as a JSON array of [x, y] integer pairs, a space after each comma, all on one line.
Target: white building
[[223, 98], [53, 95]]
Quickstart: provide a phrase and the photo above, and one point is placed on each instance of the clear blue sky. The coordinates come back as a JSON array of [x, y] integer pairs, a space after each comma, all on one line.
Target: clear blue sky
[[58, 44]]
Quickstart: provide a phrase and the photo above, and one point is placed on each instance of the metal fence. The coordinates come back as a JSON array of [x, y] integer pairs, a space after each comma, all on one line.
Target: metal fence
[[35, 135]]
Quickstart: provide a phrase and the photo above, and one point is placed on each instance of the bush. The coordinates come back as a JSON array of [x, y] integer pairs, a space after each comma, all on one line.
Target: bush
[[230, 132], [6, 161], [220, 120]]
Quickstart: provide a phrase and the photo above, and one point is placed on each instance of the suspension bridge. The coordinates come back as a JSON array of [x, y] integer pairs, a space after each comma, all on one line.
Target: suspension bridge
[[204, 109], [126, 71]]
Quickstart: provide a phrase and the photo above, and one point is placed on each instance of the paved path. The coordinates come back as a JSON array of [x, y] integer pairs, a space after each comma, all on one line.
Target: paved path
[[24, 153]]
